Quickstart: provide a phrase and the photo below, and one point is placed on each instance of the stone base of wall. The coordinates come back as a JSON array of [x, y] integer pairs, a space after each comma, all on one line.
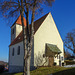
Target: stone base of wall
[[16, 69]]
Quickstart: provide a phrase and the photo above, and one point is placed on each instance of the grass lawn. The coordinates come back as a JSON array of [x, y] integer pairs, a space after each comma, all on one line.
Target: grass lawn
[[50, 70]]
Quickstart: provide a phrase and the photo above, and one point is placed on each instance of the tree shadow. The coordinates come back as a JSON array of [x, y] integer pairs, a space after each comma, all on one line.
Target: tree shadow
[[66, 72]]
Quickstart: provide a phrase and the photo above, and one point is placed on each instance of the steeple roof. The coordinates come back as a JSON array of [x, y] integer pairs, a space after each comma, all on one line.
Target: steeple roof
[[18, 21]]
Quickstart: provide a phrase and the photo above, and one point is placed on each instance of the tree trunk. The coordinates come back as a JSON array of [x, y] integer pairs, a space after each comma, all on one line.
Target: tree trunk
[[31, 37], [32, 27], [28, 63], [28, 40], [24, 46], [24, 39]]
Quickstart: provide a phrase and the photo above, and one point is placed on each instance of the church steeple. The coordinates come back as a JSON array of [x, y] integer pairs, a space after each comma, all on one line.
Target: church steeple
[[16, 28]]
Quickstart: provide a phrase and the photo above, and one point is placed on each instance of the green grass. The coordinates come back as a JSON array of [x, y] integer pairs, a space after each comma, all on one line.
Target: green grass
[[50, 70]]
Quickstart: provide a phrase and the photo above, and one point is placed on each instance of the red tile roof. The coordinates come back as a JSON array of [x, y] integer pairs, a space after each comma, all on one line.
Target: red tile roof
[[18, 39], [37, 24], [18, 21]]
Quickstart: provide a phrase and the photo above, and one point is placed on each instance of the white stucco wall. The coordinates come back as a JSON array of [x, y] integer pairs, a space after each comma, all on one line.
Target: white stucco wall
[[16, 59], [18, 29], [47, 33]]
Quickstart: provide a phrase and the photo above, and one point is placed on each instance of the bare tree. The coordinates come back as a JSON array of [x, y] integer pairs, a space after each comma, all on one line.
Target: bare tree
[[40, 60], [70, 41], [67, 54], [10, 7]]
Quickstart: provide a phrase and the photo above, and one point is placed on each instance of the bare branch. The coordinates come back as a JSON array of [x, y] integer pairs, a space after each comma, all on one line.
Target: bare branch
[[70, 40]]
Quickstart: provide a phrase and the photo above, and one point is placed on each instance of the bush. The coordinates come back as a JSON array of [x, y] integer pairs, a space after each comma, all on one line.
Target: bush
[[63, 64], [70, 58], [69, 62], [55, 63], [1, 68]]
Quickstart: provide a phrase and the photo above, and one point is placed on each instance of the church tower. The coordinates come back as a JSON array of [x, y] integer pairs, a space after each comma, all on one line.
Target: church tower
[[16, 28]]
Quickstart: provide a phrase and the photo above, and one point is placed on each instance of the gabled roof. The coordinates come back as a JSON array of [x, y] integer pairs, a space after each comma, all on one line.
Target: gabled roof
[[18, 39], [53, 48], [18, 21], [37, 24]]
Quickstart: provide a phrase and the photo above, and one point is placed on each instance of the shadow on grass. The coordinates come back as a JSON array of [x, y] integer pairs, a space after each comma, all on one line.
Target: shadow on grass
[[10, 74], [66, 72]]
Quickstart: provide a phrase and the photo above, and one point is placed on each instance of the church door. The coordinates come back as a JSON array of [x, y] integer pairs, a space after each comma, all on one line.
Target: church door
[[51, 61]]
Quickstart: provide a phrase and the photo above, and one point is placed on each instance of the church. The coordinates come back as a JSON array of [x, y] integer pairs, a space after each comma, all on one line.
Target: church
[[47, 49]]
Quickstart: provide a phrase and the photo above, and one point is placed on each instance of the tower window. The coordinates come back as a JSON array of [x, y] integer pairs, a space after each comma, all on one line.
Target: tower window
[[13, 52], [13, 31], [18, 52]]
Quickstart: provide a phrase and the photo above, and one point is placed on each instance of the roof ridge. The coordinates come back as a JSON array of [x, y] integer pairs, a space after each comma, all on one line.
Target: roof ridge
[[42, 16]]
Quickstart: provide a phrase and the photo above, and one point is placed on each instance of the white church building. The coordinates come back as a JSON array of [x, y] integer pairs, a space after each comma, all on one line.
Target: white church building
[[47, 49]]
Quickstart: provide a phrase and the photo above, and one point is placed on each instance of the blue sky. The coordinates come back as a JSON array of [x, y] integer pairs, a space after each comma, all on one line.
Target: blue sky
[[63, 12]]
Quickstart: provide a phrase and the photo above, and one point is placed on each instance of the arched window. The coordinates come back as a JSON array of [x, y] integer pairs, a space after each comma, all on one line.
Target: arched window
[[18, 51], [13, 52]]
